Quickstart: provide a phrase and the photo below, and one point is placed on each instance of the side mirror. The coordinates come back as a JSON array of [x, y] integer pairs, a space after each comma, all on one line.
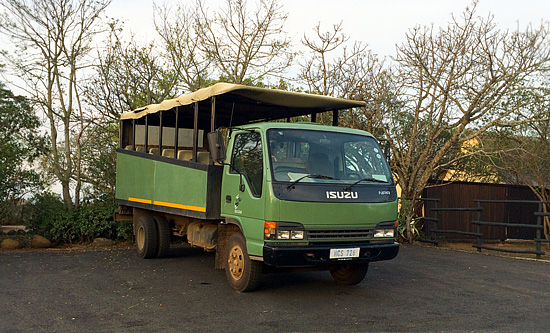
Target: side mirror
[[217, 148], [387, 151]]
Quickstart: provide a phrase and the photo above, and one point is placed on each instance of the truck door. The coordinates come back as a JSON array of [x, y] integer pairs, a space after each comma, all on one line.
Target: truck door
[[242, 188]]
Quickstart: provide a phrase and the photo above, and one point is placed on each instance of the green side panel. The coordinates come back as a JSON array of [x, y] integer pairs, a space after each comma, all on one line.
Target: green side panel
[[320, 215], [181, 185], [147, 179], [134, 177]]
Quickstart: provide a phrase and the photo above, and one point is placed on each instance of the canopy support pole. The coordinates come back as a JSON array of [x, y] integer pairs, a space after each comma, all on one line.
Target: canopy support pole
[[196, 132], [160, 133], [133, 134], [146, 133], [176, 130], [213, 115]]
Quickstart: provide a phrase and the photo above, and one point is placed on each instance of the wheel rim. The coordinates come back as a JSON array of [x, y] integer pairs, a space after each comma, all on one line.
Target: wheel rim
[[236, 262], [140, 237]]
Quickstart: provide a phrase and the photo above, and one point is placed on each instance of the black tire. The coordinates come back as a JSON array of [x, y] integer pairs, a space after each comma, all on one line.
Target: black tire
[[349, 274], [146, 237], [163, 230], [242, 273]]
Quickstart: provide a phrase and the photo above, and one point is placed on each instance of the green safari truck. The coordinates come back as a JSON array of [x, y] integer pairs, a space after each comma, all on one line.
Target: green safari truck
[[222, 169]]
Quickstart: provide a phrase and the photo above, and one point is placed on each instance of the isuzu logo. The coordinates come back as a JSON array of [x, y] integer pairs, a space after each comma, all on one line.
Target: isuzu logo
[[341, 195]]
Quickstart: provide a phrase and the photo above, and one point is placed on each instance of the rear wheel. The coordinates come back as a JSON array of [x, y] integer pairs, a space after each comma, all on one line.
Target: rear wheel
[[349, 274], [146, 237], [242, 273], [163, 229]]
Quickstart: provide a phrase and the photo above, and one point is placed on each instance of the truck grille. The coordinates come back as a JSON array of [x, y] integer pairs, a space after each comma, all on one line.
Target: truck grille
[[339, 234]]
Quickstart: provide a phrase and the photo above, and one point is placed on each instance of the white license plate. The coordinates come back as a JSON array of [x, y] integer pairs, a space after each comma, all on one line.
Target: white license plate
[[344, 253]]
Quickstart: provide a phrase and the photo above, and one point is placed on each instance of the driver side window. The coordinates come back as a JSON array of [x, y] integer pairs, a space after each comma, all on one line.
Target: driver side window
[[247, 158]]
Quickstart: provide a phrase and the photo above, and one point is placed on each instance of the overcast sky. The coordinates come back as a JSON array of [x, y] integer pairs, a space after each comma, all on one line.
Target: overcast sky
[[379, 23]]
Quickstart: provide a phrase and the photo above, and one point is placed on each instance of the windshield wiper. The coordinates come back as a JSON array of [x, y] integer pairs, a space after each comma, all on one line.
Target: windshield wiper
[[370, 179], [291, 186]]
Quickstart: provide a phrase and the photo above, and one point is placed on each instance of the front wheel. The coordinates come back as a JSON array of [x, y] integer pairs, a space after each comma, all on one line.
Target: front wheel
[[242, 273], [349, 274]]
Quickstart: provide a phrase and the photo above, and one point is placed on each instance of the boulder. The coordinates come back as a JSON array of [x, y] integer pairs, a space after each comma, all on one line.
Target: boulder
[[10, 244], [40, 242], [103, 242]]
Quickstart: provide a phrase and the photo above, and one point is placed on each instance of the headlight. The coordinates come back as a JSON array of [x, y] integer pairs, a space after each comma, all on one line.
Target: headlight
[[297, 234], [283, 231], [383, 233], [283, 234]]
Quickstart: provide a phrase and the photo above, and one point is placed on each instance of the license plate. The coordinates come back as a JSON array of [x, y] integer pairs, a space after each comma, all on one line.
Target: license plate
[[344, 253]]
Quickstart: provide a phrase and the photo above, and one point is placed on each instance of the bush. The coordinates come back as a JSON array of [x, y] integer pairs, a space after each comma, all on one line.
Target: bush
[[92, 219]]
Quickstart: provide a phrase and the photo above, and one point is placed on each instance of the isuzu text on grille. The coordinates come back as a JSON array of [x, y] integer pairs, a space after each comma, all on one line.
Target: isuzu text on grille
[[341, 195]]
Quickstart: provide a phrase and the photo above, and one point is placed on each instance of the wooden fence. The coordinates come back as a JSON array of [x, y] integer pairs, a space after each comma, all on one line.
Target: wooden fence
[[463, 194]]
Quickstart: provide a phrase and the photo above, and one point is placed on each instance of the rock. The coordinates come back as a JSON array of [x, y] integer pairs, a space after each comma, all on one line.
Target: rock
[[103, 242], [10, 244], [40, 242]]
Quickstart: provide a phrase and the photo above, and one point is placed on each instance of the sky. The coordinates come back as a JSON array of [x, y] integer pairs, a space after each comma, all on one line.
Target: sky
[[380, 23]]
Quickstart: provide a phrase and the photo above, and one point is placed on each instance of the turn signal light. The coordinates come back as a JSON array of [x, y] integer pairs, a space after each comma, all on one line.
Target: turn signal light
[[270, 228]]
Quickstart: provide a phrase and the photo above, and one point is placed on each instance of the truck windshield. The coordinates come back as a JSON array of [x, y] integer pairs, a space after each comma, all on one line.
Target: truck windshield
[[330, 156]]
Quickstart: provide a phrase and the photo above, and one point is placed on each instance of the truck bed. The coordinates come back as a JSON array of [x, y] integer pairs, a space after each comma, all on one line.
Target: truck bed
[[168, 185]]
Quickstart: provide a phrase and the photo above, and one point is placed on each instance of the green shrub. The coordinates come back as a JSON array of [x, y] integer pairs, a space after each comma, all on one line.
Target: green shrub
[[48, 217], [92, 219]]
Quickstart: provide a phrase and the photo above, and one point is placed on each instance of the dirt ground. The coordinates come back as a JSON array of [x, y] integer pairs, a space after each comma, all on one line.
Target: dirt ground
[[511, 244]]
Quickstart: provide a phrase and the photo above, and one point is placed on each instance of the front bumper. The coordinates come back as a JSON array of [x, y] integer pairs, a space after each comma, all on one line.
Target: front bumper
[[318, 255]]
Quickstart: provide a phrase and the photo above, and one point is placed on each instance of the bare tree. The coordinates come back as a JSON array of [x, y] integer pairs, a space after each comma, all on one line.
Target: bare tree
[[318, 72], [53, 38], [128, 76], [450, 85], [245, 44], [178, 30], [352, 74]]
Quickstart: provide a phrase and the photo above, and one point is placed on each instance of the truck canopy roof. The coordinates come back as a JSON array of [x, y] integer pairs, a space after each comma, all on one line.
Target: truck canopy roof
[[305, 126], [236, 104]]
